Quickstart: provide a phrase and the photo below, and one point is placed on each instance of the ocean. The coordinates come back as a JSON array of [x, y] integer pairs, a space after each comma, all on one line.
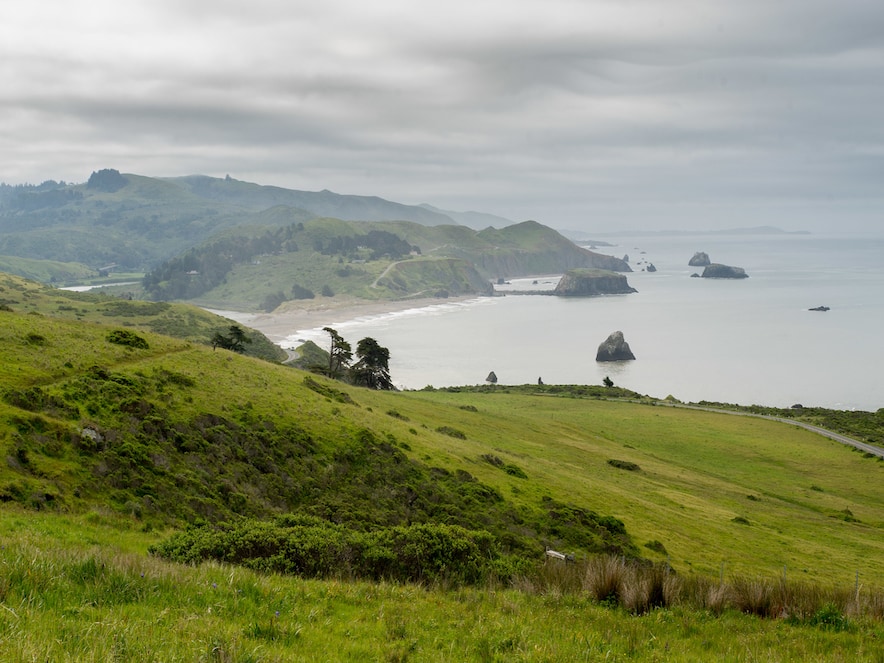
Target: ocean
[[747, 341]]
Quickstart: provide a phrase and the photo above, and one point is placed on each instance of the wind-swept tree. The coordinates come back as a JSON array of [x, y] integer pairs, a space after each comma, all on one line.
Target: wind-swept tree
[[372, 367], [339, 354], [235, 341]]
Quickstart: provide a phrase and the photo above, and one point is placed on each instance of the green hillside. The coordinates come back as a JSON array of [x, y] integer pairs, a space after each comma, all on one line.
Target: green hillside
[[235, 244], [117, 440], [46, 271], [262, 266], [178, 320], [180, 431]]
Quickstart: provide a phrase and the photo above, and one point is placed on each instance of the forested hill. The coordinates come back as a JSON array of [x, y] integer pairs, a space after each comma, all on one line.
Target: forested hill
[[136, 222]]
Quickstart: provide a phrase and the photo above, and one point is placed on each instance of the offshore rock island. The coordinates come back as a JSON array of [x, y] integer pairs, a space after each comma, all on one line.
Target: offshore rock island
[[699, 259], [591, 283], [717, 271], [614, 348]]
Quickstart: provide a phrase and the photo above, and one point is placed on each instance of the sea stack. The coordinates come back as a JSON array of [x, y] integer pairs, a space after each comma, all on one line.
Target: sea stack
[[700, 259], [614, 348]]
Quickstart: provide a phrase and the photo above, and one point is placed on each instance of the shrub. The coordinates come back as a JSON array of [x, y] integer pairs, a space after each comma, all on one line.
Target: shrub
[[451, 432], [273, 300], [624, 465], [328, 391], [311, 547], [128, 338], [492, 459], [35, 339], [300, 292], [830, 618], [515, 470]]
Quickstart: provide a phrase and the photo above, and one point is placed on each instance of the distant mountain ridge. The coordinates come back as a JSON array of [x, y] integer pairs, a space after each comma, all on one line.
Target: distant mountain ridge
[[474, 220], [137, 222], [320, 203]]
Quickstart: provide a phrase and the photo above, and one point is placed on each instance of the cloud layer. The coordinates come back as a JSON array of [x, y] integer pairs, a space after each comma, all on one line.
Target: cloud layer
[[601, 114]]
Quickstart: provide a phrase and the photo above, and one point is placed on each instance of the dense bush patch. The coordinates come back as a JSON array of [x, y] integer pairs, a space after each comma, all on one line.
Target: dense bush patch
[[328, 391], [311, 547], [624, 465], [452, 432], [128, 338]]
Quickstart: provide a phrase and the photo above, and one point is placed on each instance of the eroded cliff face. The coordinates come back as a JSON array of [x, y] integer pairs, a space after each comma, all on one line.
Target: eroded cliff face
[[592, 282]]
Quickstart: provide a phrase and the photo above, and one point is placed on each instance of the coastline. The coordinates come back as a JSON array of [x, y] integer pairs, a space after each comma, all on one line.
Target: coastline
[[293, 317]]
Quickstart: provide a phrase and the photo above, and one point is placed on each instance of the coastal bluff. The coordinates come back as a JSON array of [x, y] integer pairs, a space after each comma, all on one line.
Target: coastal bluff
[[591, 283]]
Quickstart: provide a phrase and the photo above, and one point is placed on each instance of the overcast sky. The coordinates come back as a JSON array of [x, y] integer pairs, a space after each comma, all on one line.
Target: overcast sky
[[583, 114]]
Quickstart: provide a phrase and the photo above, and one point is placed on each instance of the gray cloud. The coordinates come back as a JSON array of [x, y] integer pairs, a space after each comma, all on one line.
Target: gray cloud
[[633, 113]]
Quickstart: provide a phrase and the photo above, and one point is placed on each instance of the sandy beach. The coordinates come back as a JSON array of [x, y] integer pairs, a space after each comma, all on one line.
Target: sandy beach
[[296, 316]]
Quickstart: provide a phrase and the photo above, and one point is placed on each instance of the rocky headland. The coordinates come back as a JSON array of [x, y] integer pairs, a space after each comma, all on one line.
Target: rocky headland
[[592, 282]]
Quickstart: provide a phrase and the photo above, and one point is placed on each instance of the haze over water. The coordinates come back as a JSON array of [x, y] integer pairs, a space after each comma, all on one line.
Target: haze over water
[[739, 341]]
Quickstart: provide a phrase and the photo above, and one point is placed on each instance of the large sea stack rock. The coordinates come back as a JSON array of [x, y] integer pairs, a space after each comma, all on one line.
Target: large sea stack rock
[[615, 348], [700, 259], [716, 271], [592, 282]]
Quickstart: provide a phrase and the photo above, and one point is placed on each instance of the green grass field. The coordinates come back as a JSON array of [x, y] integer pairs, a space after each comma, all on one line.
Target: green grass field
[[698, 472], [83, 589]]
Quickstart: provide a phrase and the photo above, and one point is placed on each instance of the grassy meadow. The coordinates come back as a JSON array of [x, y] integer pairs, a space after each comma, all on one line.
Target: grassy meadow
[[742, 539], [83, 589], [746, 494]]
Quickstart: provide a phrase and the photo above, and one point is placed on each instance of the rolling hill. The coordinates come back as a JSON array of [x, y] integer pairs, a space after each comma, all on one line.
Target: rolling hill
[[262, 266], [118, 440], [238, 244], [178, 431]]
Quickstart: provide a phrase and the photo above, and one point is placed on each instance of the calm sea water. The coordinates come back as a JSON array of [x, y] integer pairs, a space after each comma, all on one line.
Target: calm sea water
[[743, 341]]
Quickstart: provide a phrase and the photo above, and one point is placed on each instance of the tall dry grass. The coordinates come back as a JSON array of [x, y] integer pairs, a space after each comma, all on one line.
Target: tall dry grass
[[639, 587]]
